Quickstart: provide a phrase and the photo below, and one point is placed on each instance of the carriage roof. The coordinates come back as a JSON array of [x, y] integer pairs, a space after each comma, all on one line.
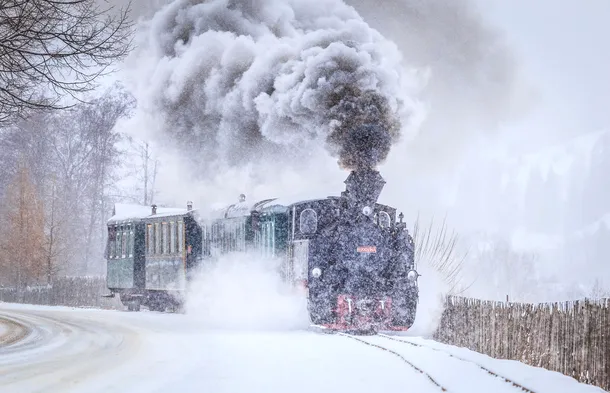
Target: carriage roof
[[273, 205], [130, 212]]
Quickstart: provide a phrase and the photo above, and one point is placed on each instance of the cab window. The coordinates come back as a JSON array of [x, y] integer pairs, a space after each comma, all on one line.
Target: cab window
[[308, 222], [384, 220]]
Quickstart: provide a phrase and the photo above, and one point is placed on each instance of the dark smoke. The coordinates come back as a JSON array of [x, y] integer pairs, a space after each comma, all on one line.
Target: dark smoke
[[234, 82], [365, 129], [476, 83]]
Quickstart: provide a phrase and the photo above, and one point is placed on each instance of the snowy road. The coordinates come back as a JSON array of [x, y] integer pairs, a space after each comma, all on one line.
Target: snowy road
[[54, 349]]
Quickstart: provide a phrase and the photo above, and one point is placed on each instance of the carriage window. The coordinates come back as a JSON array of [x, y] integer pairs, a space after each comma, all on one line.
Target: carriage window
[[172, 240], [131, 240], [111, 242], [308, 222], [384, 220], [119, 241], [157, 239], [151, 240], [124, 244], [127, 249], [165, 238], [180, 236]]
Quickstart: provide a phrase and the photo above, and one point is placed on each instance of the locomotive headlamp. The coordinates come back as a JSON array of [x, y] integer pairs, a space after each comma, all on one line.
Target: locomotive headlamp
[[367, 211], [316, 272], [412, 275]]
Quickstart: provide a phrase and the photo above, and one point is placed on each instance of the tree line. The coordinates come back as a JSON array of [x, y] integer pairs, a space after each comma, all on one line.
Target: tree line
[[57, 189], [60, 152]]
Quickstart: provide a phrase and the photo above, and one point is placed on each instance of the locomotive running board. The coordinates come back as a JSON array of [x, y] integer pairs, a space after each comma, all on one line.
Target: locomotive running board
[[403, 333], [320, 329], [327, 330]]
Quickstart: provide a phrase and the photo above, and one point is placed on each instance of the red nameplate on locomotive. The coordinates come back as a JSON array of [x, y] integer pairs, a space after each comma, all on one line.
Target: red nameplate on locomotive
[[367, 249]]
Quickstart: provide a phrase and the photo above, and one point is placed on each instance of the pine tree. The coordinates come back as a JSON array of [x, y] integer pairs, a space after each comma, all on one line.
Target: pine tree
[[22, 243]]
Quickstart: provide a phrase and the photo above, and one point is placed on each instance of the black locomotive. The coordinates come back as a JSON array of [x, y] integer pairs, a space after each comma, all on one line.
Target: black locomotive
[[353, 256]]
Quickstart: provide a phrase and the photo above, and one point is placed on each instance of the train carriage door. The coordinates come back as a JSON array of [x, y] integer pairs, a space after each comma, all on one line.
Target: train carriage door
[[300, 262], [265, 238]]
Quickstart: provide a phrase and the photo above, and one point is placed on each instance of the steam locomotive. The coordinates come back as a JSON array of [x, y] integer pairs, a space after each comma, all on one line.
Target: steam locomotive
[[353, 256]]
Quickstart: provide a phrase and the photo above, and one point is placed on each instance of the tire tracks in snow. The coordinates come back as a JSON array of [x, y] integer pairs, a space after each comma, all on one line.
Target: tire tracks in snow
[[516, 385], [60, 353], [12, 331]]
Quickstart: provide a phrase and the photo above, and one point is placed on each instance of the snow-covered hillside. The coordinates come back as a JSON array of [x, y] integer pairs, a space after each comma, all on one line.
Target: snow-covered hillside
[[551, 211]]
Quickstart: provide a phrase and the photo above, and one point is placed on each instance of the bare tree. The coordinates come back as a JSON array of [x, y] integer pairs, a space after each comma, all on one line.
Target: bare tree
[[100, 120], [72, 156], [149, 179], [53, 49], [84, 152], [55, 240], [142, 168], [438, 248]]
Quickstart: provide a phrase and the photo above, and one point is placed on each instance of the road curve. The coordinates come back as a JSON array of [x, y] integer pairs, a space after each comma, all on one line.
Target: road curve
[[93, 351], [44, 351], [12, 331]]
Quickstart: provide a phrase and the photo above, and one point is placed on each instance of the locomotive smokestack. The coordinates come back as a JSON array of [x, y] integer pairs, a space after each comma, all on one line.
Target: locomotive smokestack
[[363, 187]]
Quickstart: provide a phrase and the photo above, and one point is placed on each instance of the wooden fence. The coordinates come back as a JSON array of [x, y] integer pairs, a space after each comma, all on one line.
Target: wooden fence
[[65, 291], [569, 337]]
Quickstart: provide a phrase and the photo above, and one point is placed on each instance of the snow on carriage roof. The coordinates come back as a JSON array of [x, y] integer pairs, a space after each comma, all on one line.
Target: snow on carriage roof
[[245, 208], [125, 211], [278, 204], [290, 200]]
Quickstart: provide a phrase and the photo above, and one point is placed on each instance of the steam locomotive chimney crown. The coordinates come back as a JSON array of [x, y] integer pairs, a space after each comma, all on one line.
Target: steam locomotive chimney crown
[[363, 187]]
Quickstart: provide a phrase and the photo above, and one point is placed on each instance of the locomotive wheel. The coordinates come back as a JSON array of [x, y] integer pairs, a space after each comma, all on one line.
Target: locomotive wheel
[[156, 307], [132, 304], [320, 312]]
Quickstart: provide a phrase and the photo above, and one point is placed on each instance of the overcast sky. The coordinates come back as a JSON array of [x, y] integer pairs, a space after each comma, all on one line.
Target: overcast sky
[[564, 47]]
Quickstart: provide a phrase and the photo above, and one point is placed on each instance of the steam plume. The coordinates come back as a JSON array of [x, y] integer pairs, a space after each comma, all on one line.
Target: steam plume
[[476, 83], [236, 80]]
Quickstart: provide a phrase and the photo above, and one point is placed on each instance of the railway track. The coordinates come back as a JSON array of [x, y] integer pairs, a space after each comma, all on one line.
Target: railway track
[[446, 353], [404, 359], [411, 361]]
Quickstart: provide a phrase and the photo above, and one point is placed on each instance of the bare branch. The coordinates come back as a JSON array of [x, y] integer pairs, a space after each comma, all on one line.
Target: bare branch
[[51, 50], [439, 250]]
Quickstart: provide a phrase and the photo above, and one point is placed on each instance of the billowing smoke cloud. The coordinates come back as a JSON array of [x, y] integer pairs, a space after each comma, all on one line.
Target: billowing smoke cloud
[[233, 81], [475, 85]]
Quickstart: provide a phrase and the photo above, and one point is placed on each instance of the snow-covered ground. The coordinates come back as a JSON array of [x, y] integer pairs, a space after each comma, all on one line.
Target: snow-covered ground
[[82, 350]]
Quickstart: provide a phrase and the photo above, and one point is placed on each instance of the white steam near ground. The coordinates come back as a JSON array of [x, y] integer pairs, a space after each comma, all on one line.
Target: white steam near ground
[[243, 291], [432, 291], [233, 95]]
